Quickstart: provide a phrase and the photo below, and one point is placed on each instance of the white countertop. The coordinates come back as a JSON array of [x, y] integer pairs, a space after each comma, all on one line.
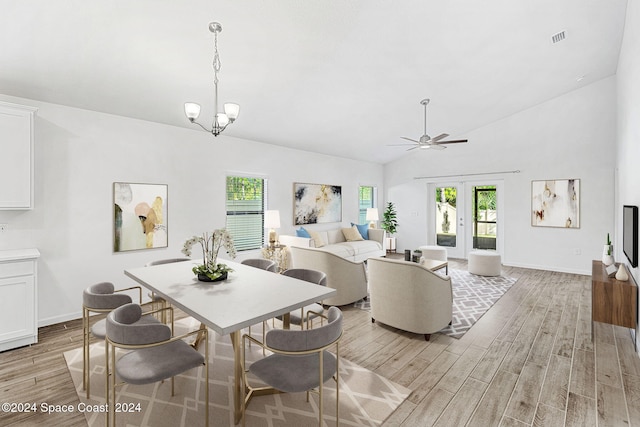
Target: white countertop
[[19, 254]]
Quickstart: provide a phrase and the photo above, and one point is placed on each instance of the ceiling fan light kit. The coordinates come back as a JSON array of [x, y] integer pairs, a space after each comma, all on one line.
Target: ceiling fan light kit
[[427, 142], [220, 119]]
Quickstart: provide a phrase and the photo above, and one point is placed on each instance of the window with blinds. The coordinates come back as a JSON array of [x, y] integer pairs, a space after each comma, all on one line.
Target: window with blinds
[[366, 199], [245, 211]]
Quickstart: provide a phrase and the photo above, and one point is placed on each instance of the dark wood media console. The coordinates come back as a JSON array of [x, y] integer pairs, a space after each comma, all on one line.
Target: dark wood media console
[[612, 301]]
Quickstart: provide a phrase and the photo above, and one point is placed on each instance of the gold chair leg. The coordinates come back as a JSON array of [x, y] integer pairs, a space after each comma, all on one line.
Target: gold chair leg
[[337, 384], [86, 356], [84, 350], [320, 389]]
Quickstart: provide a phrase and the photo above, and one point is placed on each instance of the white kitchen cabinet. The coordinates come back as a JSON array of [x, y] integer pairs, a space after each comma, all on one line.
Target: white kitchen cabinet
[[16, 156], [18, 298]]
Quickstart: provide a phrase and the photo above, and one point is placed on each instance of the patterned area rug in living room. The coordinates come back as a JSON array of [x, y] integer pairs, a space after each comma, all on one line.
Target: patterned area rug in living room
[[472, 296], [366, 399]]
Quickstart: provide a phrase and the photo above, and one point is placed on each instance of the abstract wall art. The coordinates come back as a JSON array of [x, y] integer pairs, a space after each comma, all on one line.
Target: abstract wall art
[[555, 203], [316, 203], [139, 216]]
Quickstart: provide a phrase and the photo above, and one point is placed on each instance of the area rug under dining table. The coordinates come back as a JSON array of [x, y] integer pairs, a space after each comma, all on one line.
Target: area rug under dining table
[[473, 295], [366, 399]]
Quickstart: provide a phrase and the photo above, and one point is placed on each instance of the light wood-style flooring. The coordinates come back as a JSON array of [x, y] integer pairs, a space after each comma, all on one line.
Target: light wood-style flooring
[[529, 361]]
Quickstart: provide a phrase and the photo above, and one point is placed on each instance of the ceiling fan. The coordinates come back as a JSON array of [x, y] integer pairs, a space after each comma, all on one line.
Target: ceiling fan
[[427, 142]]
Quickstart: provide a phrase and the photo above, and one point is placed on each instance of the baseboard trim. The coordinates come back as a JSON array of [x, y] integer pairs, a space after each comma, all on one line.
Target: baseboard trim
[[549, 268], [59, 319]]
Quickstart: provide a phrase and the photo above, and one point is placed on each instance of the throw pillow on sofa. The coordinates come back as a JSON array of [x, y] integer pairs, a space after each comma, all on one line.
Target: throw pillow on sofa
[[317, 239], [302, 232], [363, 229], [352, 234]]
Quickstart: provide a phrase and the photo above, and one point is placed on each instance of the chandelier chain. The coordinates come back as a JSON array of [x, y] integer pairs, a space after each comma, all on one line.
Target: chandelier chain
[[216, 58]]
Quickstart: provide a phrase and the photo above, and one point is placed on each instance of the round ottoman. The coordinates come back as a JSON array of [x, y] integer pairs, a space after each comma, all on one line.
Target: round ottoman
[[484, 263], [434, 252]]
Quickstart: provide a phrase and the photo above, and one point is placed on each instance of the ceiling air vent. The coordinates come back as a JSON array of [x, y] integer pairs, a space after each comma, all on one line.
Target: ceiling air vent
[[558, 37]]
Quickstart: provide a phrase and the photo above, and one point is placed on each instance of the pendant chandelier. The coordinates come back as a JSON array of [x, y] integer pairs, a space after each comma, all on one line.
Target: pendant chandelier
[[231, 111]]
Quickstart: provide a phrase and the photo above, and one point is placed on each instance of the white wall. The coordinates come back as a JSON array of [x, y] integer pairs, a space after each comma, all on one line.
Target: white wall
[[80, 153], [628, 160], [571, 136]]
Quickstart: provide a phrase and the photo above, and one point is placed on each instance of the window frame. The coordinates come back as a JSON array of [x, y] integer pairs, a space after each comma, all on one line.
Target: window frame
[[239, 240], [362, 211]]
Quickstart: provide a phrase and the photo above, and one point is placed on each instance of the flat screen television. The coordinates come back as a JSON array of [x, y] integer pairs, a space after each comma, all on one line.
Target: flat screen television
[[630, 233]]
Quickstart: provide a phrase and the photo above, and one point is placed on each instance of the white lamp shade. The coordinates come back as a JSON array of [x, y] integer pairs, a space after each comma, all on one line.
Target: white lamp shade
[[231, 110], [191, 110], [272, 219], [372, 214], [222, 119]]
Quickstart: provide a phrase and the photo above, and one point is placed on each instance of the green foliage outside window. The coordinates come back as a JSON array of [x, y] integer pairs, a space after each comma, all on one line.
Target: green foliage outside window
[[450, 194], [241, 188]]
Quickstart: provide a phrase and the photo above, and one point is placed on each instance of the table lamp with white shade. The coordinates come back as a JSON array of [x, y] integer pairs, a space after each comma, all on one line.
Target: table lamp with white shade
[[272, 221], [372, 215]]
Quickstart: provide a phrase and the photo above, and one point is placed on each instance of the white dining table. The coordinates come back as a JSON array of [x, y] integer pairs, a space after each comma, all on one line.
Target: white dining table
[[248, 297]]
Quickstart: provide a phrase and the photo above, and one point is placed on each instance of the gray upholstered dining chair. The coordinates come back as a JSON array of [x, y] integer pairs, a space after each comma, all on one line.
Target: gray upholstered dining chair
[[153, 353], [156, 299], [300, 361], [263, 264], [98, 298], [309, 312]]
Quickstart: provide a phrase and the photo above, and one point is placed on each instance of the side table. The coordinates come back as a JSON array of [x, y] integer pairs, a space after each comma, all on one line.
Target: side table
[[390, 244], [277, 253]]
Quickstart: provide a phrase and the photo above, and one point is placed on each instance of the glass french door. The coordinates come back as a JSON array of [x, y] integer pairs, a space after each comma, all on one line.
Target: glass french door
[[466, 216], [448, 218], [484, 211]]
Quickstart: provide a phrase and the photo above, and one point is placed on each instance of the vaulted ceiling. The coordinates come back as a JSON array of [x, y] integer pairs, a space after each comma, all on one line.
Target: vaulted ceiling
[[339, 77]]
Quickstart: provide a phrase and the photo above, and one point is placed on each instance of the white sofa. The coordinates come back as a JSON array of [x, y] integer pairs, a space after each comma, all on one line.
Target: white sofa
[[407, 296], [347, 277], [335, 243]]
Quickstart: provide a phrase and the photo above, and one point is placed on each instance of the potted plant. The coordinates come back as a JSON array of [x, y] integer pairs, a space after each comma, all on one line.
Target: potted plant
[[210, 270], [390, 225], [389, 221], [607, 252]]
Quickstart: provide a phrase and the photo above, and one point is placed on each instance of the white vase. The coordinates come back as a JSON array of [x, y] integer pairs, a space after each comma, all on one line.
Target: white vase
[[606, 258], [622, 274]]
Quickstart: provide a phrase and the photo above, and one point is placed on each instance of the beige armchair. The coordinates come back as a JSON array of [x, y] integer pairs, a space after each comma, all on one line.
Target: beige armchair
[[408, 296], [349, 278]]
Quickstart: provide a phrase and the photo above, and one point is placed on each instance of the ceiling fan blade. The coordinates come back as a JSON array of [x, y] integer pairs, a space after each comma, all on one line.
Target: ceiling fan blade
[[437, 147], [398, 145], [454, 141], [409, 139], [439, 137], [413, 148]]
